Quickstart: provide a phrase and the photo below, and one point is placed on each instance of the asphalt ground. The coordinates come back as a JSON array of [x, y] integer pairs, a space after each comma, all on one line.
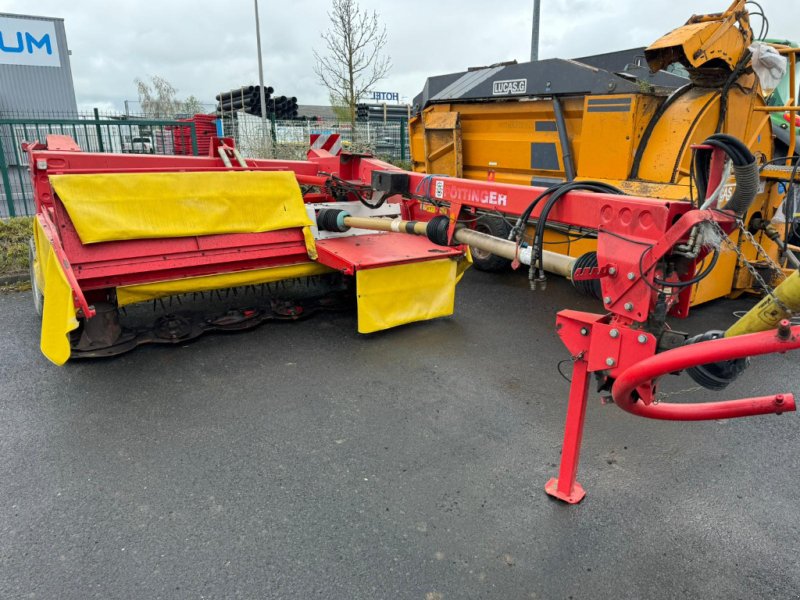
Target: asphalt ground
[[304, 460]]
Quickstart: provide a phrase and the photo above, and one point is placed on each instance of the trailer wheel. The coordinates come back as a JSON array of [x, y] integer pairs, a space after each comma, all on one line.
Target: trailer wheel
[[38, 297], [486, 261]]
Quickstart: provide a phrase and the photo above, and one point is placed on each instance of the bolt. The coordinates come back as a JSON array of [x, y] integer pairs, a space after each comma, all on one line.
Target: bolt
[[629, 306], [631, 276], [612, 270], [784, 330], [610, 362], [614, 333], [584, 331], [607, 299], [779, 399], [642, 339]]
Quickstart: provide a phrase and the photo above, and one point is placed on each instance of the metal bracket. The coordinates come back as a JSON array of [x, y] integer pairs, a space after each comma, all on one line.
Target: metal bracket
[[588, 273]]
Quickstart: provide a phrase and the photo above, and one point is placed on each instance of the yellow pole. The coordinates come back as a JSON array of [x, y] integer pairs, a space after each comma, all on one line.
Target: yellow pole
[[792, 113], [767, 313]]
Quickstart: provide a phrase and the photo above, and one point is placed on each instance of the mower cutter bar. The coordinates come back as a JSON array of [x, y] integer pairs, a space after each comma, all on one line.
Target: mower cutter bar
[[186, 326]]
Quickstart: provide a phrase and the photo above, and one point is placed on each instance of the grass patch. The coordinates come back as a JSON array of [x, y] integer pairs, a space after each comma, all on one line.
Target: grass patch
[[14, 236], [20, 286]]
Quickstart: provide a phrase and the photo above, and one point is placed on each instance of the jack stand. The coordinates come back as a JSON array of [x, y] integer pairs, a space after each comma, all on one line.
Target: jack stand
[[565, 487]]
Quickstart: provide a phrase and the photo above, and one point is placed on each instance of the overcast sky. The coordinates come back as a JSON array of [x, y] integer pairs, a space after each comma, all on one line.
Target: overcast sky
[[205, 47]]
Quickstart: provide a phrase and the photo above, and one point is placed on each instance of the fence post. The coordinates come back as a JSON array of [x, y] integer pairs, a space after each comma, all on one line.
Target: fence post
[[195, 151], [273, 134], [23, 197], [403, 131], [99, 130], [6, 180]]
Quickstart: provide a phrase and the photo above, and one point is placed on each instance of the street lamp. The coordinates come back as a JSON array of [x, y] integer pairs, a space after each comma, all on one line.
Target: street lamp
[[535, 31], [261, 80]]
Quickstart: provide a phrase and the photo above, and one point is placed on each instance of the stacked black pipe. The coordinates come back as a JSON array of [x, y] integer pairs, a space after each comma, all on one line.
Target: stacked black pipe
[[245, 98], [284, 108], [248, 99], [375, 112]]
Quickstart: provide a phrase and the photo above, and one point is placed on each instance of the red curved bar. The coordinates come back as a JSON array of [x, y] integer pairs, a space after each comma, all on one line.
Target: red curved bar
[[693, 355]]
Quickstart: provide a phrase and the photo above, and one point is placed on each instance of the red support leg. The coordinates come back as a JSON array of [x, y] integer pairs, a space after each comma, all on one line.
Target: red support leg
[[565, 487]]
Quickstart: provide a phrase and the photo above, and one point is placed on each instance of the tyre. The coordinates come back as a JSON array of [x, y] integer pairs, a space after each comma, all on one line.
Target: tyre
[[38, 296], [486, 261]]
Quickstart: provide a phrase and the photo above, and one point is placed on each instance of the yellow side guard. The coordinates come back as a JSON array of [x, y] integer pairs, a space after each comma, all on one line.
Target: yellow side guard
[[400, 294], [58, 316], [132, 206]]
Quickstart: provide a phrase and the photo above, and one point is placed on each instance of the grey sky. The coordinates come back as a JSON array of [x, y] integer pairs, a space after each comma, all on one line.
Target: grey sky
[[206, 47]]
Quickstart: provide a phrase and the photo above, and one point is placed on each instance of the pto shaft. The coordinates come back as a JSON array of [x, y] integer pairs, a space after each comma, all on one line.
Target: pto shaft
[[551, 261]]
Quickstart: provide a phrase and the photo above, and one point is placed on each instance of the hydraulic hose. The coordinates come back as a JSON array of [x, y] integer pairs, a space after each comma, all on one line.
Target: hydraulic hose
[[558, 192], [651, 125], [747, 180], [745, 170], [563, 139]]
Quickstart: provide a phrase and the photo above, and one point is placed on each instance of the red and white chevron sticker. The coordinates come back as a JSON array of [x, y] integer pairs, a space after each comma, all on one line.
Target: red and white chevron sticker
[[327, 141]]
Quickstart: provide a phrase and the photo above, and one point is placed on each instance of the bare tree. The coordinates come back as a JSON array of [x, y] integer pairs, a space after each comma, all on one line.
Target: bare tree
[[158, 99], [340, 110], [191, 105], [353, 61]]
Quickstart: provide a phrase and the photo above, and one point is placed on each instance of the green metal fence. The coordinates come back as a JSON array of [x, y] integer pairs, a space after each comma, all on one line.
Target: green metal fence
[[134, 136], [290, 139]]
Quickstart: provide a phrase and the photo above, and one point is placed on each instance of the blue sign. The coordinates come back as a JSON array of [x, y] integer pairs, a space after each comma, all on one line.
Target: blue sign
[[28, 42], [386, 96]]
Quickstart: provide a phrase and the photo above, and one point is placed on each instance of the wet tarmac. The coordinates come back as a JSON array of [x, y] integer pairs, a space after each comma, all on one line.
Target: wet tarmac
[[304, 460]]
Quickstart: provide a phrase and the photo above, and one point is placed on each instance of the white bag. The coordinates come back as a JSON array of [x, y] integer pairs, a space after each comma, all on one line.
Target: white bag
[[769, 65]]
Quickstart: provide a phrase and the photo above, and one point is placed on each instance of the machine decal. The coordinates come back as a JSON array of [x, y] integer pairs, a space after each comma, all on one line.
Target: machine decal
[[460, 194], [509, 86]]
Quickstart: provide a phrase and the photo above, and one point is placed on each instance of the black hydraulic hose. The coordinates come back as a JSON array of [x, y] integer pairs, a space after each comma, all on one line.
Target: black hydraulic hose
[[789, 211], [563, 189], [723, 100], [555, 193], [648, 132], [696, 279], [701, 161], [563, 138], [526, 214], [592, 186], [745, 169], [742, 153], [577, 185]]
